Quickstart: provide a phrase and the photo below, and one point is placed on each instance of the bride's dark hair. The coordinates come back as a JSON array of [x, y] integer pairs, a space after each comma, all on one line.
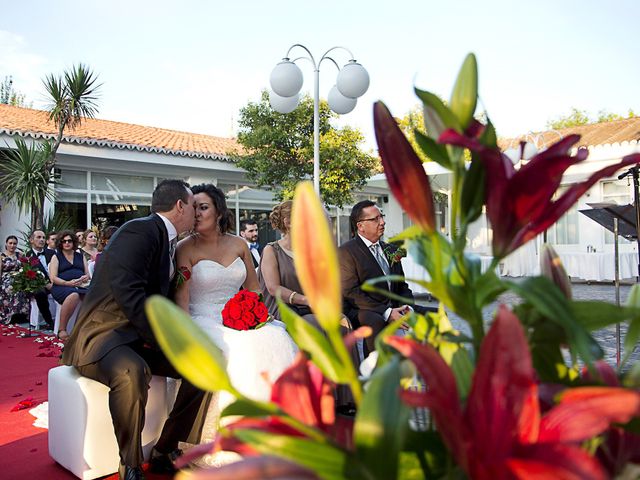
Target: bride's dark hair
[[225, 220]]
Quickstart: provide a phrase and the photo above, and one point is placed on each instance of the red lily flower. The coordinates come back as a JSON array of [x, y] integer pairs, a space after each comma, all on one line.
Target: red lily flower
[[500, 433], [519, 202], [303, 393], [405, 174]]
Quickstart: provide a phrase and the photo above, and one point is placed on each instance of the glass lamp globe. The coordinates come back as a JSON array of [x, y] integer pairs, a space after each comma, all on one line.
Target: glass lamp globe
[[339, 103], [353, 80], [286, 78], [283, 104]]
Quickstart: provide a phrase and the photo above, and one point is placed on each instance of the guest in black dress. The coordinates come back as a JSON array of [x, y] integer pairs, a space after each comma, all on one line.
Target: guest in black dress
[[69, 273]]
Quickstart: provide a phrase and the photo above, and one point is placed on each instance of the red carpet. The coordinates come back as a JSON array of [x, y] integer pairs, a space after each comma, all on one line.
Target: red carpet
[[23, 447], [23, 378]]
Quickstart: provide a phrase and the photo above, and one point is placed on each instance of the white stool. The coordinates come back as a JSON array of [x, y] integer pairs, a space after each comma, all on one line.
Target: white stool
[[81, 435], [72, 320]]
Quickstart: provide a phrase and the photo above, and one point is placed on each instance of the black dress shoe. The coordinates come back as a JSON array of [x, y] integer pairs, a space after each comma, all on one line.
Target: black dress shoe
[[163, 462], [131, 473]]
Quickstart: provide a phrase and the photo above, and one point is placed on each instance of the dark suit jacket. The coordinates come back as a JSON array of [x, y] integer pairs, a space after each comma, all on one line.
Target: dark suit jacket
[[357, 264], [253, 259], [134, 266], [48, 255]]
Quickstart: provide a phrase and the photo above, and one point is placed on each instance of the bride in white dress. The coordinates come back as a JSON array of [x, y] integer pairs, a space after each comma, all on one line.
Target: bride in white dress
[[220, 264]]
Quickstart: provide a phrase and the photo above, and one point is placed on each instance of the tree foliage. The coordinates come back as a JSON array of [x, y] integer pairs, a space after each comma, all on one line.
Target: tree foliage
[[24, 178], [28, 175], [10, 96], [279, 151], [578, 117]]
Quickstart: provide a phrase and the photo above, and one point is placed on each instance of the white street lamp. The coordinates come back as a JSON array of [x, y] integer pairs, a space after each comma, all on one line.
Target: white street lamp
[[286, 81]]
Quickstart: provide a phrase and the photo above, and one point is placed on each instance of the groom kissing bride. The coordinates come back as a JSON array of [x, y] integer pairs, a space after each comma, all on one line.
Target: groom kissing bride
[[112, 341]]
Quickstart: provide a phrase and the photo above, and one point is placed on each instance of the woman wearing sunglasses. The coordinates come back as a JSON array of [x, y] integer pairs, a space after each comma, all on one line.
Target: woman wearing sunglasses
[[70, 276]]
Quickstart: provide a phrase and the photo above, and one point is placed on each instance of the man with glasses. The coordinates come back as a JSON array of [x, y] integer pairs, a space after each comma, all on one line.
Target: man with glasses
[[363, 258]]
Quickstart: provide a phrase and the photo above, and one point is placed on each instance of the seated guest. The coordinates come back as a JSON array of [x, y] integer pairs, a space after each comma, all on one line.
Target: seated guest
[[278, 279], [89, 248], [105, 236], [249, 232], [69, 273], [12, 303], [277, 274], [44, 256], [52, 239], [365, 257], [80, 236]]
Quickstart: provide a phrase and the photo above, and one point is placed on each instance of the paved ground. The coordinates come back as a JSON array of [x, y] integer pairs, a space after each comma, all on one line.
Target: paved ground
[[581, 291]]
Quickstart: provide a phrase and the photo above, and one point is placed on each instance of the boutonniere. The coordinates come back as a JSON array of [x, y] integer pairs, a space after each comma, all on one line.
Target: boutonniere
[[184, 274], [394, 256]]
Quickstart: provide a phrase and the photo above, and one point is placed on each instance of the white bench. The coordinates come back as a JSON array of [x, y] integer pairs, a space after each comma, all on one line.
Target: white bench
[[81, 435]]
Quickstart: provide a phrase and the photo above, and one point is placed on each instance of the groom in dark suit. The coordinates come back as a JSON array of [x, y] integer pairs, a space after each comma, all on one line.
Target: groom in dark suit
[[365, 257], [112, 341]]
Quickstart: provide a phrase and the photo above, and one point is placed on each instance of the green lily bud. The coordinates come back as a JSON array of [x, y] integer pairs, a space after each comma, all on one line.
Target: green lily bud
[[552, 268], [465, 92]]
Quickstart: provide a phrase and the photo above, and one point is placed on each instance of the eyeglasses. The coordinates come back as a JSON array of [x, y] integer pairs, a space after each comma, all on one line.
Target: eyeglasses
[[66, 240], [376, 219]]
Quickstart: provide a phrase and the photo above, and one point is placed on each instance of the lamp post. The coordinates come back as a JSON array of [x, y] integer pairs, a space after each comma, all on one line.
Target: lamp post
[[286, 81]]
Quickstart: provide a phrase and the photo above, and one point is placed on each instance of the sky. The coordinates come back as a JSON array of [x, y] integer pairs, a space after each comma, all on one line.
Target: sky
[[191, 65]]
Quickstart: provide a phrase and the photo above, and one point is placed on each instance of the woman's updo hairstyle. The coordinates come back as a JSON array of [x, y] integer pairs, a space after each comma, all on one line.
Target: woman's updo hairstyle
[[279, 213], [225, 217]]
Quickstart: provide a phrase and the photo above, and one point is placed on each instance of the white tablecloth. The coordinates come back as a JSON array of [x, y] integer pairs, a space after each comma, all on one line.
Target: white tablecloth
[[412, 270], [599, 266]]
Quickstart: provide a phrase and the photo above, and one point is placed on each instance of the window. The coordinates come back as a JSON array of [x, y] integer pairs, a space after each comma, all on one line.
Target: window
[[565, 230], [94, 198]]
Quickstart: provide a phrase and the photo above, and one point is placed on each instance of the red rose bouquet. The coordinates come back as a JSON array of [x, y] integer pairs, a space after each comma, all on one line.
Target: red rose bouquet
[[29, 278], [245, 311]]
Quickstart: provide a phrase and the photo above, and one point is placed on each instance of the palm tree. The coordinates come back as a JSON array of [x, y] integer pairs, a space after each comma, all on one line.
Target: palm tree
[[24, 177], [73, 98]]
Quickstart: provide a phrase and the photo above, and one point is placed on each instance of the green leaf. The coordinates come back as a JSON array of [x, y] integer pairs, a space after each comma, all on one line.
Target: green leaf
[[436, 152], [594, 315], [473, 189], [489, 137], [463, 370], [381, 423], [187, 347], [547, 299], [327, 461], [437, 116], [315, 343], [385, 352], [465, 91], [251, 408], [424, 456]]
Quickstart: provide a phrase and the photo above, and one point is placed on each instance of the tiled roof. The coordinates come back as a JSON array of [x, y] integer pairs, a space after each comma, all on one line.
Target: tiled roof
[[27, 122], [605, 133]]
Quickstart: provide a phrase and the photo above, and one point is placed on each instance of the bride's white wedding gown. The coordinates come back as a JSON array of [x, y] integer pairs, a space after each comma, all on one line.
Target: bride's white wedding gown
[[250, 354]]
